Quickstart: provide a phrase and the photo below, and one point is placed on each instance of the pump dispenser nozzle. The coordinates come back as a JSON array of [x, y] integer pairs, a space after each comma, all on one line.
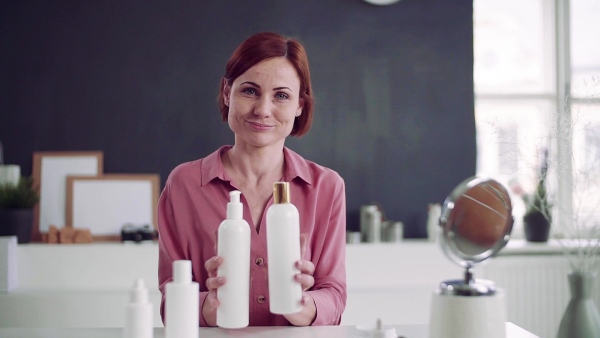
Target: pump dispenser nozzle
[[235, 209]]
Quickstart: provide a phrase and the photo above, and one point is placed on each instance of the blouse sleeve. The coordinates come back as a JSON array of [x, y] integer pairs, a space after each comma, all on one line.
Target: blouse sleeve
[[329, 290]]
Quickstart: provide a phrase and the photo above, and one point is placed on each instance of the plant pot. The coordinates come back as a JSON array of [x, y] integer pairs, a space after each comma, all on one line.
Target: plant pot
[[16, 222], [537, 227]]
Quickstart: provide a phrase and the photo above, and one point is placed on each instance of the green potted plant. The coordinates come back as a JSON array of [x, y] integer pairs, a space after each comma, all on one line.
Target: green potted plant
[[538, 215], [16, 208]]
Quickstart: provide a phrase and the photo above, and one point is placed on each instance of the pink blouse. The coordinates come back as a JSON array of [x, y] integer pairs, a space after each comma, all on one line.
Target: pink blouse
[[193, 205]]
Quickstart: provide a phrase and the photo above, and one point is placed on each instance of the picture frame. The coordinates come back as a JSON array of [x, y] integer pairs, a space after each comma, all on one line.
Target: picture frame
[[50, 171], [103, 204]]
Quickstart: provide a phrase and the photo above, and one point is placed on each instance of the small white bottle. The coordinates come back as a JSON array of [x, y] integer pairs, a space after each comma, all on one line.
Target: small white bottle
[[283, 250], [138, 314], [182, 303], [234, 247]]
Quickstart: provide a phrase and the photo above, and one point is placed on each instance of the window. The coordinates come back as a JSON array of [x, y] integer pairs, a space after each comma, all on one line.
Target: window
[[527, 88]]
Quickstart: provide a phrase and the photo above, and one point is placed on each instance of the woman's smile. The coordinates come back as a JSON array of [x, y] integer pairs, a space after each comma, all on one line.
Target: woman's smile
[[259, 126]]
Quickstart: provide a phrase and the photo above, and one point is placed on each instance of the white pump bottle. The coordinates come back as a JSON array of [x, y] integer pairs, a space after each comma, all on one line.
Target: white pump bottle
[[182, 303], [234, 247], [138, 314], [283, 250]]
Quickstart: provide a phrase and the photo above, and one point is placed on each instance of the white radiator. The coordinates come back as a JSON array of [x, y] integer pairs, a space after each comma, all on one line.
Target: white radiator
[[537, 290]]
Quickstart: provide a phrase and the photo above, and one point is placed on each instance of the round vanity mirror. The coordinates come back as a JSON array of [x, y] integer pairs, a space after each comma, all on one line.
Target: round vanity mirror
[[475, 223]]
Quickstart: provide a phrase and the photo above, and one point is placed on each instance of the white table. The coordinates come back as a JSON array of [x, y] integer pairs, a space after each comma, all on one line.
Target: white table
[[404, 331]]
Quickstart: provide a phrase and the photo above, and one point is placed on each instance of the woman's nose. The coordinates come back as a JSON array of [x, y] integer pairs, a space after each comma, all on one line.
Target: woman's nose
[[263, 107]]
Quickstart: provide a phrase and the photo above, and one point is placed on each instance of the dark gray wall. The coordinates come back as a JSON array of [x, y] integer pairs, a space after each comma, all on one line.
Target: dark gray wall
[[138, 80]]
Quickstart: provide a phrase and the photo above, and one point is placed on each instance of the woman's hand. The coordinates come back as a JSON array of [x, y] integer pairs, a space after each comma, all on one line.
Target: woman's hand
[[309, 310], [209, 308]]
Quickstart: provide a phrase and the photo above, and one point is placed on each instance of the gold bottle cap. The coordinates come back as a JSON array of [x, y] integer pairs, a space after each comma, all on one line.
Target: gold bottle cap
[[281, 192]]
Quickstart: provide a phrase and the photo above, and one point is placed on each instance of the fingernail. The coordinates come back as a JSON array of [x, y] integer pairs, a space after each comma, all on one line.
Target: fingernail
[[220, 280], [299, 264]]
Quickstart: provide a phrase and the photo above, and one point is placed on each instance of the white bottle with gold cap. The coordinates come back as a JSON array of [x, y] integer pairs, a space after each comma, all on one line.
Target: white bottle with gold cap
[[283, 250]]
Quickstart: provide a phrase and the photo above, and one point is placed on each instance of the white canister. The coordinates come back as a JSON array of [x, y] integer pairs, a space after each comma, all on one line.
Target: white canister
[[458, 316], [392, 231], [370, 223], [434, 211], [10, 173]]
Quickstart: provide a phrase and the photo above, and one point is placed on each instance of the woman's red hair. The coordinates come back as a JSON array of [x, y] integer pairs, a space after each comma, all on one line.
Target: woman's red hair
[[264, 46]]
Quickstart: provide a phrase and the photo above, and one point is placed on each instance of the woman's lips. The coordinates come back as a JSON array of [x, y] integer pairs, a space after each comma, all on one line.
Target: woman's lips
[[259, 126]]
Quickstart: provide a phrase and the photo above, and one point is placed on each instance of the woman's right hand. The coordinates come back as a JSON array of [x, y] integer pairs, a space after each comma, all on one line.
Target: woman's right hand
[[213, 282]]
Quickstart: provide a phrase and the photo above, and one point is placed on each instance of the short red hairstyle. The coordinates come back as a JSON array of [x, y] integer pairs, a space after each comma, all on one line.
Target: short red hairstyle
[[264, 46]]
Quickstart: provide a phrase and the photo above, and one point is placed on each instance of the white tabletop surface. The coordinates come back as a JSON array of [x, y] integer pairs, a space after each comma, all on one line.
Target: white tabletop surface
[[403, 331]]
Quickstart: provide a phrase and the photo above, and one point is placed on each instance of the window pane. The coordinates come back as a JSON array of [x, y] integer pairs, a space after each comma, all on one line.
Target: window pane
[[512, 136], [585, 48], [510, 47], [586, 166]]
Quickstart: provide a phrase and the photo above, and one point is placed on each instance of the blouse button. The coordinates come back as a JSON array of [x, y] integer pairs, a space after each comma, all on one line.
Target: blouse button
[[259, 261], [261, 299]]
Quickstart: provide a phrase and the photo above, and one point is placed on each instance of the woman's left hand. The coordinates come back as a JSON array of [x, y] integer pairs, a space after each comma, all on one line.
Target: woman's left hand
[[309, 310]]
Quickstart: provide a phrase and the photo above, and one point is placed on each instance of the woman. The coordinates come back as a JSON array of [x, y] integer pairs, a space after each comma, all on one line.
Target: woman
[[265, 95]]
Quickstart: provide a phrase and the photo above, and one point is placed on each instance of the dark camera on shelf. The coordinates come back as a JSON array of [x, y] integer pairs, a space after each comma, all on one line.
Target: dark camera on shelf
[[137, 233]]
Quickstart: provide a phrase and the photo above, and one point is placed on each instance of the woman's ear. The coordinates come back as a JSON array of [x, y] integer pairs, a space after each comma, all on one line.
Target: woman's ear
[[226, 92], [300, 107]]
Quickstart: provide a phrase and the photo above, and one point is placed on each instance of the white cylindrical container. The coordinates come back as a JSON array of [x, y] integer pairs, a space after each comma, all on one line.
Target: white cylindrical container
[[9, 173], [138, 314], [392, 231], [434, 211], [182, 303], [234, 247], [283, 250], [370, 223], [454, 316]]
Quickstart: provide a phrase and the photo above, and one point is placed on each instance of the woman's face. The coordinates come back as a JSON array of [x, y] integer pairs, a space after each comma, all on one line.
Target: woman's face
[[264, 102]]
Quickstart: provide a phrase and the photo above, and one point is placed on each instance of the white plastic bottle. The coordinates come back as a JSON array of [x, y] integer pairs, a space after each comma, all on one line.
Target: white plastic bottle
[[138, 314], [234, 247], [283, 250], [182, 303]]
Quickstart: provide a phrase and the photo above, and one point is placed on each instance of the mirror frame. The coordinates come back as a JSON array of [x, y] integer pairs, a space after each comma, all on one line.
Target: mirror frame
[[446, 235]]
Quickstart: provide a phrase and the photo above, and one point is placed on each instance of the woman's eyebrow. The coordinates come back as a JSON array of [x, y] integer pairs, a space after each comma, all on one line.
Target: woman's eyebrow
[[250, 83], [257, 86], [280, 88]]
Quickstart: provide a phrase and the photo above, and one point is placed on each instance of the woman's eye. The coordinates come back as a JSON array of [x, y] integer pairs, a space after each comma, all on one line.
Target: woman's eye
[[249, 91], [281, 96]]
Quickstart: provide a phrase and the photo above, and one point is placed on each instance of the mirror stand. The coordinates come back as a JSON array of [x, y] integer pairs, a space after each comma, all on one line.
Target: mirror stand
[[475, 224]]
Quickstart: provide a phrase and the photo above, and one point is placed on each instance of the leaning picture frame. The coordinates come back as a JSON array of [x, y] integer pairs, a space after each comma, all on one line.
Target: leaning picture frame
[[50, 171], [103, 204]]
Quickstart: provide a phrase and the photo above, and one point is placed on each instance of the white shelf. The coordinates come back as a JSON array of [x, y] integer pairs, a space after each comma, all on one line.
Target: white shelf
[[86, 285]]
